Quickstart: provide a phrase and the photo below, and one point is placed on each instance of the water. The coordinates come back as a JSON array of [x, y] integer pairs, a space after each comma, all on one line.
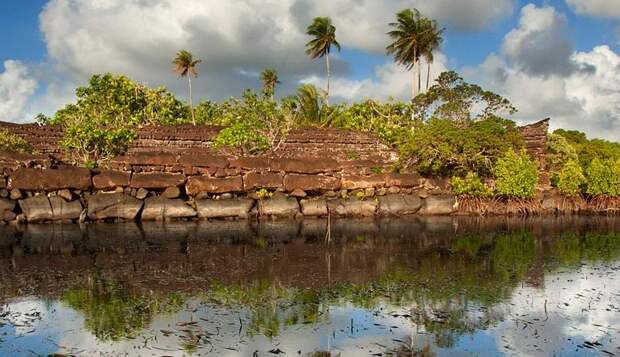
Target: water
[[438, 286]]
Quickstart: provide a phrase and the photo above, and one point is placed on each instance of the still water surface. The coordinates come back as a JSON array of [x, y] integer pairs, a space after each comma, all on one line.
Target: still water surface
[[406, 287]]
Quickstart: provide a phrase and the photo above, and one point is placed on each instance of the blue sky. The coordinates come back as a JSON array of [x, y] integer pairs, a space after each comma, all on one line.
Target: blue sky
[[46, 53]]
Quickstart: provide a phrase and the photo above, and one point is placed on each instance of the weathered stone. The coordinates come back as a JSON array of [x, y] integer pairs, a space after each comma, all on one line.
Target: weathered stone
[[279, 206], [226, 196], [2, 182], [161, 208], [423, 193], [50, 180], [369, 192], [41, 208], [203, 160], [63, 210], [141, 194], [331, 193], [355, 182], [403, 180], [269, 180], [314, 207], [393, 189], [111, 179], [551, 203], [65, 194], [7, 205], [237, 208], [113, 205], [298, 193], [251, 163], [197, 184], [438, 205], [7, 216], [382, 191], [4, 193], [399, 204], [316, 183], [148, 159], [437, 183], [304, 165], [352, 207], [172, 192], [157, 180], [15, 194]]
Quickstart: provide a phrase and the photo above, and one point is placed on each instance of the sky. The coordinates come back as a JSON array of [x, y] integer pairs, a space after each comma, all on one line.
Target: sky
[[554, 58]]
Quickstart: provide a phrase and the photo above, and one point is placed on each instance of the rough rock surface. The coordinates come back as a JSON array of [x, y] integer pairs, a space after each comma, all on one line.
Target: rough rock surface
[[311, 183], [41, 208], [255, 180], [6, 205], [201, 184], [113, 205], [435, 205], [111, 179], [352, 207], [356, 182], [237, 208], [157, 180], [399, 205], [161, 208], [314, 207], [279, 206], [50, 180]]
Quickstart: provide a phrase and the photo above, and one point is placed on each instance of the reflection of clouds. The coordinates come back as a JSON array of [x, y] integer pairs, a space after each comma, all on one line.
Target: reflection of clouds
[[588, 291]]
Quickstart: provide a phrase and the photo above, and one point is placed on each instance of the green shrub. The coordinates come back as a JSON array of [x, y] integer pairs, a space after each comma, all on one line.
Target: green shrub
[[570, 179], [471, 185], [10, 142], [588, 150], [242, 135], [442, 147], [516, 175], [90, 144], [603, 178]]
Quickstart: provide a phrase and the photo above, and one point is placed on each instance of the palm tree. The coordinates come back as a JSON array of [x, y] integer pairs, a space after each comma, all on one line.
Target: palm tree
[[324, 36], [185, 65], [407, 35], [270, 79], [432, 41]]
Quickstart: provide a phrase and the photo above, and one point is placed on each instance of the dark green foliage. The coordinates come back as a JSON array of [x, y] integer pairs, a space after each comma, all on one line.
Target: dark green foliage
[[516, 175], [444, 147], [588, 150]]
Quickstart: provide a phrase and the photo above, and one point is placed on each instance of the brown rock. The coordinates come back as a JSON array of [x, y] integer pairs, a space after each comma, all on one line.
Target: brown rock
[[299, 193], [404, 180], [304, 165], [65, 194], [269, 180], [63, 210], [353, 207], [7, 205], [355, 182], [237, 208], [141, 194], [111, 179], [41, 208], [251, 163], [157, 180], [161, 208], [148, 159], [50, 180], [398, 205], [198, 184], [4, 193], [279, 206], [393, 189], [317, 183], [314, 207], [2, 182], [113, 205], [172, 192], [203, 160], [7, 216], [15, 194], [439, 205]]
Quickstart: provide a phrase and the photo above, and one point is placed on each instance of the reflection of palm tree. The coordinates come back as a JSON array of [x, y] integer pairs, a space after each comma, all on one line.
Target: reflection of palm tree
[[324, 37]]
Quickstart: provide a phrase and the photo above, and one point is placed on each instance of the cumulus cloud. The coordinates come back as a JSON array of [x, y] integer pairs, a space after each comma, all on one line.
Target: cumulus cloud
[[582, 93], [16, 87], [601, 8]]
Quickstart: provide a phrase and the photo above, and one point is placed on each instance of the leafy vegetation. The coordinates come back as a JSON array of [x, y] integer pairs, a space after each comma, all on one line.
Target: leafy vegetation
[[471, 185], [570, 179], [10, 142], [516, 175], [603, 177], [323, 34]]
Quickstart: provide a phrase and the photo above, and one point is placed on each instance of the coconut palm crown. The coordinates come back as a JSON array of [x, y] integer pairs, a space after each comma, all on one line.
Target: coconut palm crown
[[323, 34], [270, 79], [185, 66]]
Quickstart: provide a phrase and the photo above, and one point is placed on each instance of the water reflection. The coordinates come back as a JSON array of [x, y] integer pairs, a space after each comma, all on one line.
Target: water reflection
[[385, 287]]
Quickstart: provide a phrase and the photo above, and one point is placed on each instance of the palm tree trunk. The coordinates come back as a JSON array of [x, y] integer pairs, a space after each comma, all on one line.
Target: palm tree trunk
[[428, 74], [328, 78], [191, 105], [419, 76], [413, 93]]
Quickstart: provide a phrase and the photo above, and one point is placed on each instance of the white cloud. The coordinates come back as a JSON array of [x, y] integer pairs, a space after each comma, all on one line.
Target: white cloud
[[16, 87], [600, 8], [582, 92]]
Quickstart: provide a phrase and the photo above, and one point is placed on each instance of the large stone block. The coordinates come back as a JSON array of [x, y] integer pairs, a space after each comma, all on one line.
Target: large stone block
[[156, 180], [237, 208], [161, 208], [109, 179], [304, 165], [404, 180], [198, 184], [356, 182], [6, 205], [439, 205], [113, 205], [255, 180], [318, 183], [41, 208], [148, 159], [352, 207], [50, 180], [203, 160], [278, 206], [251, 163], [398, 205], [314, 207], [2, 181]]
